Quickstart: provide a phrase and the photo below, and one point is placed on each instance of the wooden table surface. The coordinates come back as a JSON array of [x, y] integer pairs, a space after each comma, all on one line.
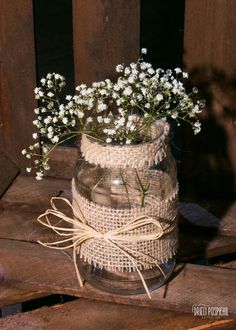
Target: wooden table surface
[[29, 271]]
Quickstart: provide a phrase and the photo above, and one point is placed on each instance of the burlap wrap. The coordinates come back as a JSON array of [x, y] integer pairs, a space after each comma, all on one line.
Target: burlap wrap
[[104, 219], [135, 156]]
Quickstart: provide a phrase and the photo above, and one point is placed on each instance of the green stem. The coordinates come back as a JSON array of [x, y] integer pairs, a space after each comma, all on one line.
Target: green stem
[[143, 190], [126, 189]]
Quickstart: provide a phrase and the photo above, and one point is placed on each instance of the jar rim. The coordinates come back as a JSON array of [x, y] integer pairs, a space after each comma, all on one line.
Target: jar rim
[[163, 128], [140, 155]]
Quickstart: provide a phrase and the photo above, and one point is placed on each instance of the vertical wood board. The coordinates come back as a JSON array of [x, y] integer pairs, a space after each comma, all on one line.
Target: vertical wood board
[[17, 77], [106, 33], [210, 34]]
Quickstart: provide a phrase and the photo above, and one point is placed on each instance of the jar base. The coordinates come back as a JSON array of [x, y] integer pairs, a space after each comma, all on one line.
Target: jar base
[[125, 283]]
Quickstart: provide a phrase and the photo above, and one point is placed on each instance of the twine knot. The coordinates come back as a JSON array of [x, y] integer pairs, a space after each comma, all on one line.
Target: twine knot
[[80, 232]]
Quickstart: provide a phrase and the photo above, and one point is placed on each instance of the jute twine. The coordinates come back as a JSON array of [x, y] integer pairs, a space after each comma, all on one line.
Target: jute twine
[[106, 219], [127, 242], [127, 239]]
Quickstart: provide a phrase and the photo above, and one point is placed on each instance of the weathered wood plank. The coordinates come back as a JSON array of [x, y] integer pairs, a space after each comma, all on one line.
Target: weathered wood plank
[[11, 295], [27, 265], [17, 78], [62, 162], [196, 216], [202, 245], [228, 223], [27, 198], [210, 33], [8, 172], [30, 194], [230, 264], [21, 224], [210, 57], [105, 34], [202, 234], [90, 315]]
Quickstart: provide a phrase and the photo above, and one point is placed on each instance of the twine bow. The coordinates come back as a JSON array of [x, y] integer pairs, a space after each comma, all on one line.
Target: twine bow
[[81, 232]]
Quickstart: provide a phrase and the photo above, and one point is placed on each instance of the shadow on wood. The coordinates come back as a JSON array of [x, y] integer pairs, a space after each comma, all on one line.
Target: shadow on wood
[[9, 172]]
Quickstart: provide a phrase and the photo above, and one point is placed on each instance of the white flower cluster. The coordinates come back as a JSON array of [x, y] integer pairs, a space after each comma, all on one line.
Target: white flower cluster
[[119, 112], [53, 122]]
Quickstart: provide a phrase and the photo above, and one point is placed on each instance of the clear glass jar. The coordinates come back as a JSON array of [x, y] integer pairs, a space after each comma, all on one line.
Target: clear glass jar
[[122, 189]]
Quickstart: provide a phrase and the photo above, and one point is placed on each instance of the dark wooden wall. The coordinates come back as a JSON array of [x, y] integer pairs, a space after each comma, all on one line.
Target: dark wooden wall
[[209, 166], [17, 77], [107, 32]]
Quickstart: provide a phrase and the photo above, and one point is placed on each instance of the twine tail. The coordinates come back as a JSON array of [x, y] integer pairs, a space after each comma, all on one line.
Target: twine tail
[[76, 267], [81, 232], [135, 266]]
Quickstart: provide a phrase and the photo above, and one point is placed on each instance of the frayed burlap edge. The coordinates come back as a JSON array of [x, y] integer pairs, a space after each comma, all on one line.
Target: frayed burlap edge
[[120, 156], [104, 219]]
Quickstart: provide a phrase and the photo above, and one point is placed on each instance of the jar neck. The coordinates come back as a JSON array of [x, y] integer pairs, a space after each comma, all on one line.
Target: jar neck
[[135, 156]]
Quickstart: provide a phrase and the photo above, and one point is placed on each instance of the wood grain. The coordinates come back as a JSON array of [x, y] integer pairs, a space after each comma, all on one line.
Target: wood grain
[[17, 78], [11, 295], [25, 265], [62, 162], [106, 33], [19, 223], [210, 57], [29, 194], [198, 216], [27, 198], [23, 226], [209, 37], [90, 315]]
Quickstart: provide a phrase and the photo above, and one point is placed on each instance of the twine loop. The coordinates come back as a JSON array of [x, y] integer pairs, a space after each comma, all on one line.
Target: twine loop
[[80, 232]]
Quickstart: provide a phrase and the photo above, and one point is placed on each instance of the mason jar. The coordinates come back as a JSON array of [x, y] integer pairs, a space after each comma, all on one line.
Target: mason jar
[[128, 194]]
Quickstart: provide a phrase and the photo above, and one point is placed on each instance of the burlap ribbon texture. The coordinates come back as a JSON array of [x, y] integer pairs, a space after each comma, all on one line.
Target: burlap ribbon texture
[[79, 232], [119, 239]]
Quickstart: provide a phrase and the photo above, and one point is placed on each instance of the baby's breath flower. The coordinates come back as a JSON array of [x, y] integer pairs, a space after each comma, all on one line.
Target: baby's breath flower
[[174, 115], [108, 140], [80, 114], [159, 97], [144, 51], [128, 91], [102, 107], [119, 68], [127, 71], [107, 120], [178, 70], [55, 139], [197, 127], [107, 110], [39, 175], [89, 120]]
